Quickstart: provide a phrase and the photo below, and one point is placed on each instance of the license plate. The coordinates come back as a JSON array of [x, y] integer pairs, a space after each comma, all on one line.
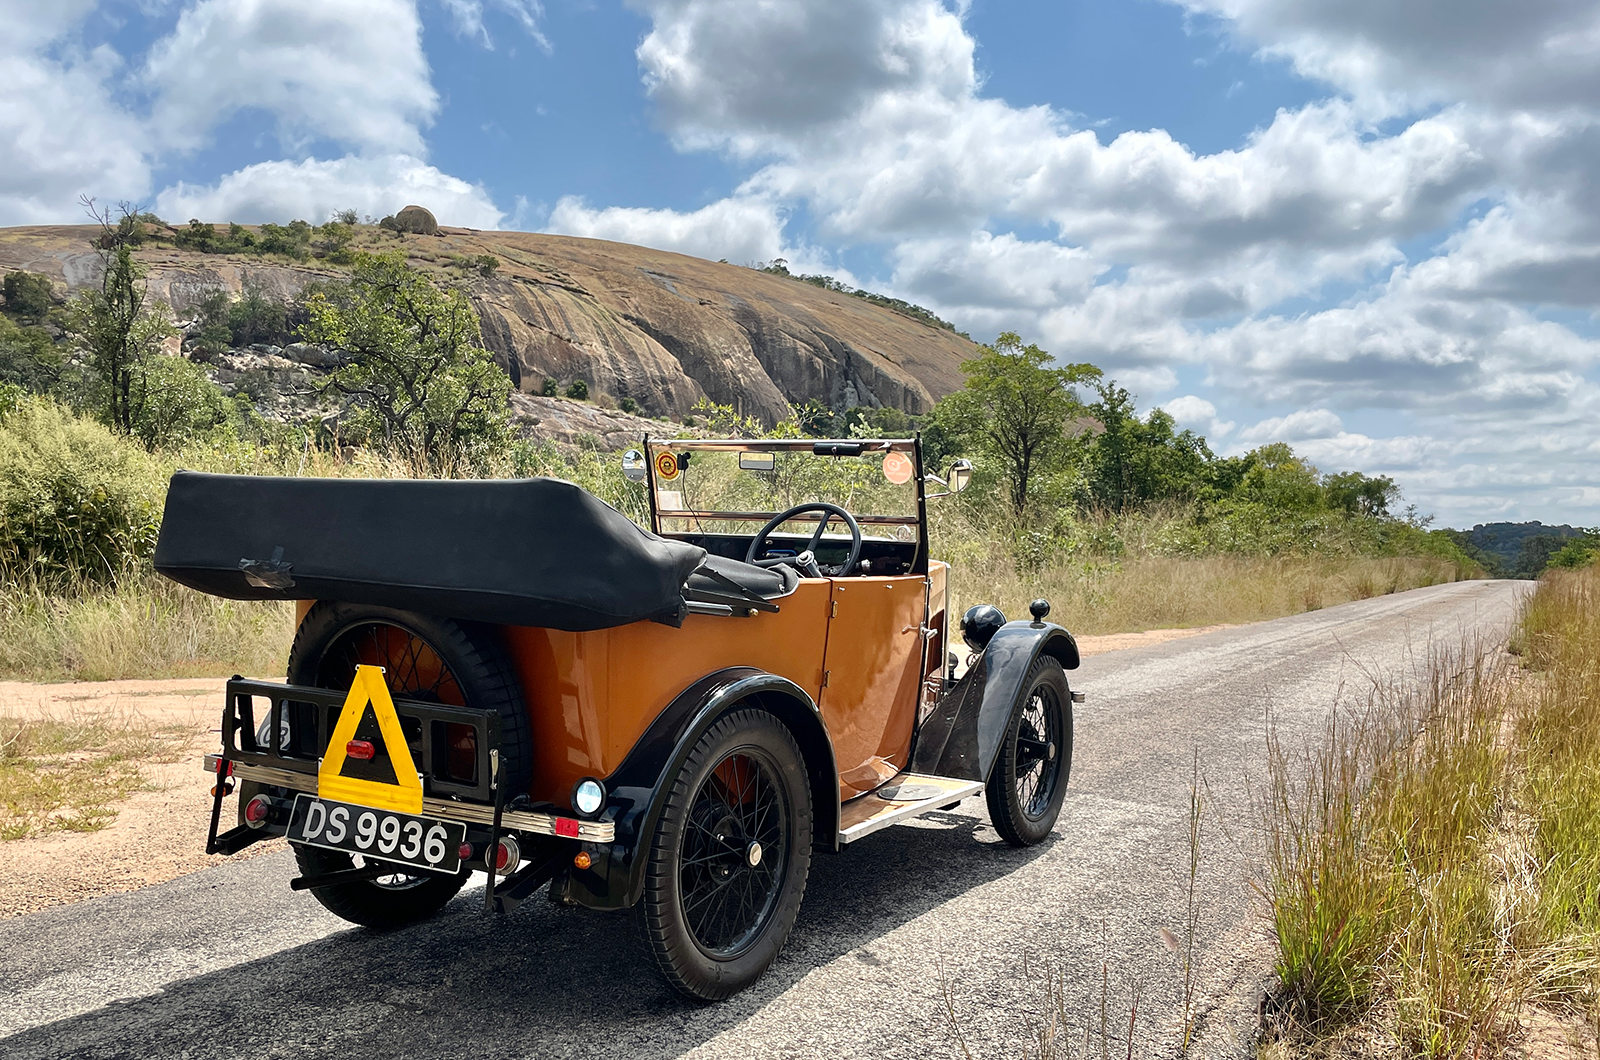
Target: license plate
[[380, 834]]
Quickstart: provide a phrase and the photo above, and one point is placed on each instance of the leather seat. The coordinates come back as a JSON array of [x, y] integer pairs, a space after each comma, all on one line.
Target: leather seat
[[769, 583]]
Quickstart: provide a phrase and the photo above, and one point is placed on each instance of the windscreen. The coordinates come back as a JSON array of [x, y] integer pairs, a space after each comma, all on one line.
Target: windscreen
[[701, 488]]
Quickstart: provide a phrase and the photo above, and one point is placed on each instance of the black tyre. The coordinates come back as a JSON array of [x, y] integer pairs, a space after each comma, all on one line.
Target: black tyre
[[1029, 779], [729, 858], [435, 660]]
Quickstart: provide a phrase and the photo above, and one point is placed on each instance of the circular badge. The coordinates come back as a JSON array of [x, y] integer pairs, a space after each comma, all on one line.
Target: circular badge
[[897, 468], [666, 465]]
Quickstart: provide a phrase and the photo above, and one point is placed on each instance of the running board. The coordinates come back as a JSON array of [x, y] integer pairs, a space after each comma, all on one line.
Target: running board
[[906, 796]]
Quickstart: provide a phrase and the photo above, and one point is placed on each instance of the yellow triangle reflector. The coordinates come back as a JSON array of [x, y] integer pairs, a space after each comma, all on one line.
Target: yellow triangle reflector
[[403, 796]]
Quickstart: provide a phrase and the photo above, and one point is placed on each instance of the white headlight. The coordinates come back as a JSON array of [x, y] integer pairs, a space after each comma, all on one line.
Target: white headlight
[[588, 797]]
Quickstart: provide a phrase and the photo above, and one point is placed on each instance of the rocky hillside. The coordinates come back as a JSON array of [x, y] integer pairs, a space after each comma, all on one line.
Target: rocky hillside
[[663, 329]]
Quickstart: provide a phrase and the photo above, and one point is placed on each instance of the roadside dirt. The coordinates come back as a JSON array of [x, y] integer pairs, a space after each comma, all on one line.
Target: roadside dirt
[[159, 834]]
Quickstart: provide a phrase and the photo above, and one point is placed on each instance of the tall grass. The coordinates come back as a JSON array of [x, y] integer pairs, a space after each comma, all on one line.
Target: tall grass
[[1433, 863], [1116, 574]]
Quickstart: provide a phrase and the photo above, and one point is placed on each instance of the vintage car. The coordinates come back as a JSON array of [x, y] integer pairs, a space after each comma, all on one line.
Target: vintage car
[[512, 677]]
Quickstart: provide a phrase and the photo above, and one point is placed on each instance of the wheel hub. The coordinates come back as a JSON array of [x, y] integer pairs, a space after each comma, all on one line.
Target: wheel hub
[[752, 854]]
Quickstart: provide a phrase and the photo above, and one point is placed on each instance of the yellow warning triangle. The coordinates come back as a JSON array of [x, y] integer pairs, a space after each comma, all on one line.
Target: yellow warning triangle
[[403, 796]]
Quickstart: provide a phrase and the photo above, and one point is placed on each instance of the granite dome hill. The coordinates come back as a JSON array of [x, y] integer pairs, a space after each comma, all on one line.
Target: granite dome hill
[[661, 328]]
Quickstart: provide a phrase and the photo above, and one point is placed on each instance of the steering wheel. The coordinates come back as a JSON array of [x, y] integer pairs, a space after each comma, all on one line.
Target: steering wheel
[[806, 561]]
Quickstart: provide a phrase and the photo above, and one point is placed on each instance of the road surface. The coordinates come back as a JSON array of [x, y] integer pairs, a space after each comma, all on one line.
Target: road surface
[[896, 930]]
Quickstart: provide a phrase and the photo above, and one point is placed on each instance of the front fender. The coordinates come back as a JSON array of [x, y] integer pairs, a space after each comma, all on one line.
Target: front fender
[[962, 737], [637, 790]]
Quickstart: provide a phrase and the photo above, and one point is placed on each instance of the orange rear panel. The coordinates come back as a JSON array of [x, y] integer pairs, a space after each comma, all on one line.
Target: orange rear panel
[[592, 695]]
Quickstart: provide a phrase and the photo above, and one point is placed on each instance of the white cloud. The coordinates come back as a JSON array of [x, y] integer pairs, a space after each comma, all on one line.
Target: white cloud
[[1295, 427], [351, 71], [468, 18], [740, 72], [1199, 415], [313, 189], [347, 71], [1533, 54], [740, 230], [64, 132]]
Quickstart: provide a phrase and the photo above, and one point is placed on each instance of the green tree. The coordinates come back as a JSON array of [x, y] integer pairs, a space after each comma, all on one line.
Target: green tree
[[1360, 494], [177, 403], [1014, 410], [29, 359], [420, 382], [1278, 478], [116, 325], [1131, 461], [28, 295]]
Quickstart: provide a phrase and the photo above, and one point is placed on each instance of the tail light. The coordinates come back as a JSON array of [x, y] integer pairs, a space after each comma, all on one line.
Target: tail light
[[258, 811], [507, 856]]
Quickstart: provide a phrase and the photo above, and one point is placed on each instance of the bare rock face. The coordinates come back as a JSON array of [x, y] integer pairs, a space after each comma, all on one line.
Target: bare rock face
[[418, 220], [663, 329]]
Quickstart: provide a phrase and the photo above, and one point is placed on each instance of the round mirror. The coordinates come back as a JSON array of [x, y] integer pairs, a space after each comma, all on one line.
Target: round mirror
[[960, 475], [633, 465]]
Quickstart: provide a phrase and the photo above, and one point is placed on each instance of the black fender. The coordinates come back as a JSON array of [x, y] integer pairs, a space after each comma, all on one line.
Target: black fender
[[637, 790], [961, 737]]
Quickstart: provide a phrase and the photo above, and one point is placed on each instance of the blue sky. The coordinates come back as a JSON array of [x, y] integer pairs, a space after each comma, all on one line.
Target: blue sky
[[1364, 228]]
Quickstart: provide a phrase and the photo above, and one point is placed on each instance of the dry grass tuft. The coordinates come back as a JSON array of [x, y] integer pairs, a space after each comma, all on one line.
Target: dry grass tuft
[[68, 775], [1433, 864], [141, 626]]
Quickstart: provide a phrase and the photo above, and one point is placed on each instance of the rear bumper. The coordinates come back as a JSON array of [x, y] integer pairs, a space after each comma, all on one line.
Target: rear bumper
[[531, 821]]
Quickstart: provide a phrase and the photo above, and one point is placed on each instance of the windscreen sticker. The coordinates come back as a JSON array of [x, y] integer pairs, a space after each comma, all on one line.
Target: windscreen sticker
[[666, 465], [897, 468]]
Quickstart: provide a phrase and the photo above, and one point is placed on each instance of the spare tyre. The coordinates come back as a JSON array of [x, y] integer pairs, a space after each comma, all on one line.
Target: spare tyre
[[427, 658]]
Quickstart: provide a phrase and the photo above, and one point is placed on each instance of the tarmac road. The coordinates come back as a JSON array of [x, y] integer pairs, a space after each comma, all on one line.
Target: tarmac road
[[229, 962]]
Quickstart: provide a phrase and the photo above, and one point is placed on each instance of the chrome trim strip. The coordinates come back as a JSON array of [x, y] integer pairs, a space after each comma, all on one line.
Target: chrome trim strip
[[907, 811], [470, 812]]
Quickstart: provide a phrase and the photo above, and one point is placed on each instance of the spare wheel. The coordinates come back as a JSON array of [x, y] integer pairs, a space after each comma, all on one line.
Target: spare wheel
[[438, 660]]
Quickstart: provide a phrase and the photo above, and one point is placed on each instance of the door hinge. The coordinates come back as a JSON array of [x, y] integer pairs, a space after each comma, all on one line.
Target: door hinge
[[833, 611], [825, 675]]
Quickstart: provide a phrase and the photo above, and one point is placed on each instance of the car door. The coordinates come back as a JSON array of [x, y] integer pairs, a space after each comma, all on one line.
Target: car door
[[871, 677]]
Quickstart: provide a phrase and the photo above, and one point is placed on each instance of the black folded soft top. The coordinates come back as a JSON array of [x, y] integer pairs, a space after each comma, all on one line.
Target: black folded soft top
[[526, 552]]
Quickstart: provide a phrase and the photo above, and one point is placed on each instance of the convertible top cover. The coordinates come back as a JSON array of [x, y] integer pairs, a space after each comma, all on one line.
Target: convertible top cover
[[524, 552]]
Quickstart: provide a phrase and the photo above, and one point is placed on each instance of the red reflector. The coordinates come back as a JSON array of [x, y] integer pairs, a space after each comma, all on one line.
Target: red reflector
[[465, 851], [567, 826], [256, 811], [361, 749]]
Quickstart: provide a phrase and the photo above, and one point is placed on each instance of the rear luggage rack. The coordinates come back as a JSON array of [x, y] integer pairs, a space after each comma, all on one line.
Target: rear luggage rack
[[311, 714]]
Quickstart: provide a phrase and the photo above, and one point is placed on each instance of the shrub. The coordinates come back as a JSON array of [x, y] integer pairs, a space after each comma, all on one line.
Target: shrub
[[28, 294], [177, 403], [579, 390], [75, 500], [628, 405], [550, 388], [30, 360]]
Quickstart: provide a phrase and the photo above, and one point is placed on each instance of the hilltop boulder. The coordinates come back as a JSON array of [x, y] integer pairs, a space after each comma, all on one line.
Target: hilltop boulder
[[418, 220]]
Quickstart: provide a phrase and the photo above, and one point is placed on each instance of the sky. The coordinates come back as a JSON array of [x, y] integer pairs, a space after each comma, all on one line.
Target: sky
[[1366, 228]]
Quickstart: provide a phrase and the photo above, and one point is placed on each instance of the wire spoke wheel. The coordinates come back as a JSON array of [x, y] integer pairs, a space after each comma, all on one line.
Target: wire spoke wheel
[[1029, 778], [1038, 755], [729, 856], [424, 658], [733, 854]]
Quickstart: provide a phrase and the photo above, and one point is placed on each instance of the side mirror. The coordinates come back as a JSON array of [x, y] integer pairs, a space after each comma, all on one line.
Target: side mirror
[[960, 475], [633, 465]]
